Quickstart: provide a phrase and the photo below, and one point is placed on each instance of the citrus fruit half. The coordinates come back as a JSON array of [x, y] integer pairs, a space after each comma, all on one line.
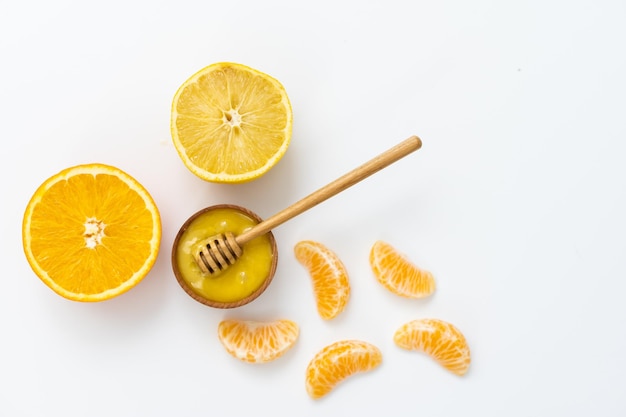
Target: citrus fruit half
[[231, 123], [91, 232]]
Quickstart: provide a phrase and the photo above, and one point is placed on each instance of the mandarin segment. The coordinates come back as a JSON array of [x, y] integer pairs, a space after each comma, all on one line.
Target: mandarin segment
[[256, 341], [331, 285], [91, 232], [231, 123], [338, 361], [439, 339], [398, 274]]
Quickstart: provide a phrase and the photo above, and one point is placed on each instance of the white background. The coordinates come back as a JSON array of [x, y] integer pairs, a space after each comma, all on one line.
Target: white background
[[516, 202]]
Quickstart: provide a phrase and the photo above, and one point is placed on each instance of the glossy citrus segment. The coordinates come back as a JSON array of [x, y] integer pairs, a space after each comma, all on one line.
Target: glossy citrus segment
[[255, 341], [329, 277], [338, 361], [398, 274], [91, 232], [231, 123], [439, 339]]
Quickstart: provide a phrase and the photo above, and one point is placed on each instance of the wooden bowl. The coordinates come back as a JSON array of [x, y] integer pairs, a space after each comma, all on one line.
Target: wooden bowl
[[201, 298]]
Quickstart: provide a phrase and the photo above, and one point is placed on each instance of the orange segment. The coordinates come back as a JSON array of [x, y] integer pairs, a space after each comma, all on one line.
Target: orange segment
[[437, 338], [255, 341], [91, 232], [231, 123], [338, 361], [396, 273], [329, 277]]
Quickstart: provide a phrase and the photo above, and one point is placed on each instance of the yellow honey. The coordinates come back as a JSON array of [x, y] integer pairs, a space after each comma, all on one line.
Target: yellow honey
[[238, 281]]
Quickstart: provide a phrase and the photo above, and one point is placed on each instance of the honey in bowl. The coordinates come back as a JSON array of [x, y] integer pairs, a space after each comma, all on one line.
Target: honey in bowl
[[238, 284]]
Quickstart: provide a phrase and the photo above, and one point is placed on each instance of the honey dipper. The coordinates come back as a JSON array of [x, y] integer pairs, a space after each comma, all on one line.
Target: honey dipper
[[220, 251]]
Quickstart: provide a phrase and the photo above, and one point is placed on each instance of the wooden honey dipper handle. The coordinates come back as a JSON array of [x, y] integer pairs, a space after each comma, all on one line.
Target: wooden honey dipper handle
[[372, 166]]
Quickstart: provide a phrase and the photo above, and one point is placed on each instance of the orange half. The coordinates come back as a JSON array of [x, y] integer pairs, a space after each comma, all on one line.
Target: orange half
[[91, 232]]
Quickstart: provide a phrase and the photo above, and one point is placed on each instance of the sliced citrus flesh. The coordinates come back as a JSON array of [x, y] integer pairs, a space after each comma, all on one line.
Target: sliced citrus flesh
[[257, 341], [439, 339], [329, 277], [91, 232], [398, 274], [336, 362], [231, 123]]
